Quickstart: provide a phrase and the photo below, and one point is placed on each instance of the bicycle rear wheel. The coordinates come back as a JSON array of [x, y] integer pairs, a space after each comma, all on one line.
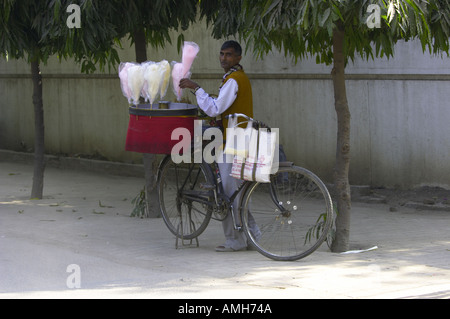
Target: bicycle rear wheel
[[293, 212], [178, 189]]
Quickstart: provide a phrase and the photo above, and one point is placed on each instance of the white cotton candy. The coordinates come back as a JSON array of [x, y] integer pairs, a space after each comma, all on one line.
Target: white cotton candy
[[123, 75], [136, 82], [165, 69], [150, 79], [152, 76]]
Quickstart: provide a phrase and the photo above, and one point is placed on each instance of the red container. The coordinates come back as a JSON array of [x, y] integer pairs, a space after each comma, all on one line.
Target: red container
[[150, 129]]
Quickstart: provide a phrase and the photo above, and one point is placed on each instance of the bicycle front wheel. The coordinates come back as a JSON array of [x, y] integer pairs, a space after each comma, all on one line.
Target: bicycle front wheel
[[293, 214], [180, 197]]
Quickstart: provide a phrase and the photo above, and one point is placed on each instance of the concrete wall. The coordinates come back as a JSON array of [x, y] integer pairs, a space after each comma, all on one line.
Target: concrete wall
[[400, 110]]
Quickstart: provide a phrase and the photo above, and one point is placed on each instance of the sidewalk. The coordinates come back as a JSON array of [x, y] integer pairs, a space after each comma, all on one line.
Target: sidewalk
[[84, 221]]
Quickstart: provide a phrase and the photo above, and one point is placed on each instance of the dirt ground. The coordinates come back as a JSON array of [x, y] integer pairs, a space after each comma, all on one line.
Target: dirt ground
[[84, 222]]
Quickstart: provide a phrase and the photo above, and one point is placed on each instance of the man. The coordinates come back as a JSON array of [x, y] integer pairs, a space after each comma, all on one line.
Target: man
[[235, 96]]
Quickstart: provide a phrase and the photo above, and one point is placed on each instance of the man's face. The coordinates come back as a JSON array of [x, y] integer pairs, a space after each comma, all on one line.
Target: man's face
[[229, 58]]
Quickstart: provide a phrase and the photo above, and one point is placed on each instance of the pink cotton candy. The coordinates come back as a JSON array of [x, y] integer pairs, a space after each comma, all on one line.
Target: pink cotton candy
[[190, 51], [182, 70], [123, 75], [177, 75]]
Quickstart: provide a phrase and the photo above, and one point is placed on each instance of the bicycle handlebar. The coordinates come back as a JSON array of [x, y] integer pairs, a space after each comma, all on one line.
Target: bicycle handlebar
[[249, 119], [239, 115]]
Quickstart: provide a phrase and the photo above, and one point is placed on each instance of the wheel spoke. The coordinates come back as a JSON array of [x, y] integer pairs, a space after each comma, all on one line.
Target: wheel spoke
[[185, 217], [293, 214]]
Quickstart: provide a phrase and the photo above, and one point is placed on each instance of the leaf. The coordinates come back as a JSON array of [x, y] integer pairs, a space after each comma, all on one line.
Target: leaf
[[391, 12], [180, 41], [325, 17], [270, 4]]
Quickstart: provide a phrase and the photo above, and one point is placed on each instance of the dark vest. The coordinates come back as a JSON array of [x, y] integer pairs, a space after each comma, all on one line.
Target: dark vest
[[244, 100]]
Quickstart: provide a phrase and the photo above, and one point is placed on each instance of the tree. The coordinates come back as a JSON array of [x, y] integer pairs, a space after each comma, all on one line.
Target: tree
[[36, 30], [336, 31], [21, 37]]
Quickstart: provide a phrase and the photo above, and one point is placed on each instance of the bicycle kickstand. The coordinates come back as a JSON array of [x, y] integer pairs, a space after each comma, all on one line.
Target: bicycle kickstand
[[180, 226]]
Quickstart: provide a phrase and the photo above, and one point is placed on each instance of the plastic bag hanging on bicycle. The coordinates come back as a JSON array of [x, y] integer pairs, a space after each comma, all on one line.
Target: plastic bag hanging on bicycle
[[258, 162], [238, 138]]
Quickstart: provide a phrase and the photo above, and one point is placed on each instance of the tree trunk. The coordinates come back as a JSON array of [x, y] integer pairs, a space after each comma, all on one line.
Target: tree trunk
[[341, 182], [39, 145], [150, 163]]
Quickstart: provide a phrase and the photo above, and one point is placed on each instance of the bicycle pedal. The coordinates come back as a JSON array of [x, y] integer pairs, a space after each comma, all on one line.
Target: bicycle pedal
[[207, 187]]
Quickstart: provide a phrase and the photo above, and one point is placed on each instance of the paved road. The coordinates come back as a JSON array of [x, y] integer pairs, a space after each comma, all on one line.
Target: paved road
[[79, 242]]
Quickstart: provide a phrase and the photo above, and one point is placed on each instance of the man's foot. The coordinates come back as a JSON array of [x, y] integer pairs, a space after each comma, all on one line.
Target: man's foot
[[224, 249]]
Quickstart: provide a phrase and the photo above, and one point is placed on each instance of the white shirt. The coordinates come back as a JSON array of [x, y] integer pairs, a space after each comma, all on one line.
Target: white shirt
[[216, 106]]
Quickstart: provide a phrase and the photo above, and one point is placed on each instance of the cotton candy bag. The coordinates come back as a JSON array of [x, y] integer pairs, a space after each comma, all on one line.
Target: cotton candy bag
[[182, 70], [190, 51], [152, 77], [165, 70], [123, 75], [177, 75], [136, 81]]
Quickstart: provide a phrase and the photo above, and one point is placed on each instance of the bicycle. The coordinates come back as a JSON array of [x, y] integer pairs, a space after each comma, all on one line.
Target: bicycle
[[293, 212]]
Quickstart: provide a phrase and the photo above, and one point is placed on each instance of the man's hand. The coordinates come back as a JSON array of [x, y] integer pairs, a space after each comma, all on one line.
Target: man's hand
[[188, 84]]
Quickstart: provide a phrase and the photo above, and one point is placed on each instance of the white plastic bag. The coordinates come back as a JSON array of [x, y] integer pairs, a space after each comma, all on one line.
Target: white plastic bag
[[238, 138], [261, 156], [258, 165], [237, 169]]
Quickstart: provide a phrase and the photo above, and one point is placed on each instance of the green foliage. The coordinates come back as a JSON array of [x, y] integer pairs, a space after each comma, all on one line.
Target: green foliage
[[37, 29], [439, 25], [92, 44], [24, 32], [317, 229], [139, 205], [302, 28]]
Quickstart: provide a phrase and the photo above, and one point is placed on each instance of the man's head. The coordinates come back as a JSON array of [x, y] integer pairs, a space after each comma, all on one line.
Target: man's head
[[230, 55]]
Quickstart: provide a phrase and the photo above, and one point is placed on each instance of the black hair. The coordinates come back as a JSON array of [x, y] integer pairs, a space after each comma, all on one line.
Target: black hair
[[233, 44]]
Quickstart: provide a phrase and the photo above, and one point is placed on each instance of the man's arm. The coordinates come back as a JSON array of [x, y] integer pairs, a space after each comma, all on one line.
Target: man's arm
[[213, 106]]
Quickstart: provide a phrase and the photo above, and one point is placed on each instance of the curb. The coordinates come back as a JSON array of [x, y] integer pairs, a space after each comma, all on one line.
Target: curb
[[74, 163]]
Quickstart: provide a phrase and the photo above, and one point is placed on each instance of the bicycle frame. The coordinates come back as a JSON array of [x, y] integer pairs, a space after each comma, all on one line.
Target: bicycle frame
[[217, 192]]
